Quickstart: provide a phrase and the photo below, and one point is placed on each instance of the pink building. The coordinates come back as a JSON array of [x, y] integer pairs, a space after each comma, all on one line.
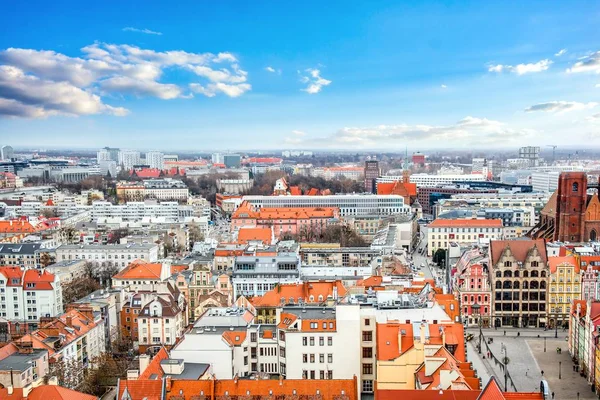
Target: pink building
[[473, 288], [306, 222]]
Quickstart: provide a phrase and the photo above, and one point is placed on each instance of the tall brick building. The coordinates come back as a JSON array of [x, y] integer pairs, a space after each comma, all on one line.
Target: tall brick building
[[372, 172], [571, 215]]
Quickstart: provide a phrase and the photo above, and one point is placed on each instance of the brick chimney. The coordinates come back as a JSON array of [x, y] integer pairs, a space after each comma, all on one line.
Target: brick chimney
[[69, 321]]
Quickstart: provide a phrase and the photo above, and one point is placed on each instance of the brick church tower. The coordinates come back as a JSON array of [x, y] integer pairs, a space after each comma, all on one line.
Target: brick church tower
[[571, 206]]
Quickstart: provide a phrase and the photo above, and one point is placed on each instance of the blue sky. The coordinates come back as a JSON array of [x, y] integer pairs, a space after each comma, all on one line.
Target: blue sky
[[321, 75]]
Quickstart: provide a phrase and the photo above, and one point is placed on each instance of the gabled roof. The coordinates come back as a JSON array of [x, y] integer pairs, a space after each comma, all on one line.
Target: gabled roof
[[154, 369], [41, 280], [519, 249], [583, 308], [140, 389], [555, 262], [415, 394], [140, 269], [550, 207]]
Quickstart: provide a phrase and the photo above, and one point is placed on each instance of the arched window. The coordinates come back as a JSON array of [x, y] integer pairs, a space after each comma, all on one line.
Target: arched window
[[575, 186], [525, 274], [516, 274], [508, 274], [498, 274], [543, 274], [525, 285], [534, 285], [311, 298], [506, 285], [516, 285], [593, 235], [498, 285], [543, 285], [534, 274], [320, 297]]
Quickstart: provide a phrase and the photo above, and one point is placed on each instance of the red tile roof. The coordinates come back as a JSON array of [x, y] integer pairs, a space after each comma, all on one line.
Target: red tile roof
[[246, 211], [46, 392], [414, 394], [263, 235], [297, 291], [555, 262], [583, 309], [39, 280], [519, 248], [328, 389], [467, 223], [234, 338], [140, 269], [140, 389], [154, 367], [147, 173]]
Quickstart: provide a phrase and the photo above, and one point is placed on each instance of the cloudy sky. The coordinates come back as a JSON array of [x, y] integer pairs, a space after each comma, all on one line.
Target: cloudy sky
[[319, 75]]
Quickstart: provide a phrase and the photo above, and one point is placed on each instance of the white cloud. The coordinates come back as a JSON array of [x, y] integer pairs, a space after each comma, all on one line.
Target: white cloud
[[314, 80], [521, 69], [298, 133], [141, 88], [560, 52], [213, 89], [472, 130], [443, 86], [594, 118], [560, 106], [146, 31], [589, 63], [273, 70], [40, 98], [55, 84]]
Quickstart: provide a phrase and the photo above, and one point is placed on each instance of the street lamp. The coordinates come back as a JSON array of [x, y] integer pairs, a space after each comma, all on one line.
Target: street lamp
[[476, 308], [559, 370], [556, 327], [505, 362]]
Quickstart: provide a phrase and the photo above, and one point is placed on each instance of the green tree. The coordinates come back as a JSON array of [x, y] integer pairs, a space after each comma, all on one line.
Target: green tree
[[439, 257]]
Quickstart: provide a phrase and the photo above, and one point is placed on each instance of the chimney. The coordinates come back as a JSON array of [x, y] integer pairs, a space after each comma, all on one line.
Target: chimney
[[168, 384], [144, 362], [335, 291], [399, 339], [443, 332], [422, 333], [10, 389], [69, 321], [26, 390]]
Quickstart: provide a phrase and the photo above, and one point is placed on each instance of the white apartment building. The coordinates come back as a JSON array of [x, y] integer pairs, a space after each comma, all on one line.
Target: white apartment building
[[167, 211], [464, 232], [160, 322], [109, 254], [166, 189], [155, 159], [545, 181], [254, 276], [27, 295], [103, 155], [309, 343], [329, 173], [428, 180], [108, 167], [129, 158], [349, 204], [501, 200]]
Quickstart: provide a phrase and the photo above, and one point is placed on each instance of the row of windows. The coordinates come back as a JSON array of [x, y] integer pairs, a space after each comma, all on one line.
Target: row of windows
[[310, 341], [312, 357], [312, 374]]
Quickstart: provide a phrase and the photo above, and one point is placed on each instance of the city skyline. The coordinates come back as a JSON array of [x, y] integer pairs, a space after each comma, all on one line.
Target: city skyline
[[381, 76]]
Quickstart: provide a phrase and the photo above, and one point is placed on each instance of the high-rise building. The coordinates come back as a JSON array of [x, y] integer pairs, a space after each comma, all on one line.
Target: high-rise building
[[103, 155], [531, 153], [232, 160], [418, 158], [372, 172], [6, 152], [129, 158], [217, 158], [155, 159]]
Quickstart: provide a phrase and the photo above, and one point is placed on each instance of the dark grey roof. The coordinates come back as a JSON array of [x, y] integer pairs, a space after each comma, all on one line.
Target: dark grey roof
[[20, 248], [20, 362]]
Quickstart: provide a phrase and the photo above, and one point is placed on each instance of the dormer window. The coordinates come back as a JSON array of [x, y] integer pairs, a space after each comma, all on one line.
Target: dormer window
[[575, 186]]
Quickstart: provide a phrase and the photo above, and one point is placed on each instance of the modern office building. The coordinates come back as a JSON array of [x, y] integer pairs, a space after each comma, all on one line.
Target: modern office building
[[372, 172], [6, 153], [531, 154], [348, 204], [254, 276], [429, 180], [232, 160]]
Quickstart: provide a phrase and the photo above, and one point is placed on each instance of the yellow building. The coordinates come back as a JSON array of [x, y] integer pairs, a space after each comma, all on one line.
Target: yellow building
[[403, 348], [565, 286]]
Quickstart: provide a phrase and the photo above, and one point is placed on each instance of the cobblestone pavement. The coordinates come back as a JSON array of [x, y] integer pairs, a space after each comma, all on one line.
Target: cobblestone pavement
[[527, 360]]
